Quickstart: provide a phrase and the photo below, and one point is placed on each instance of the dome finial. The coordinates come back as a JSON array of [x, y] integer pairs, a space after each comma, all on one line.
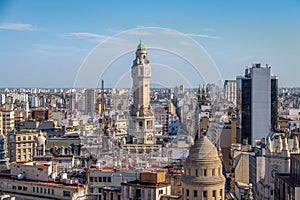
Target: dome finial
[[141, 46]]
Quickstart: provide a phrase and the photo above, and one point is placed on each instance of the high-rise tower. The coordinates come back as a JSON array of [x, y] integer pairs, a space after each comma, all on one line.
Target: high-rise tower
[[141, 123], [257, 102]]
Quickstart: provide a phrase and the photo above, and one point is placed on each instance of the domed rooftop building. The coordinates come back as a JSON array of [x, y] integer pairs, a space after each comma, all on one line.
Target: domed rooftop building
[[203, 178]]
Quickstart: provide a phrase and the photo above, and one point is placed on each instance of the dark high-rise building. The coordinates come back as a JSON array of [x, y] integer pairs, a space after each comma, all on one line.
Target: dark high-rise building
[[257, 103]]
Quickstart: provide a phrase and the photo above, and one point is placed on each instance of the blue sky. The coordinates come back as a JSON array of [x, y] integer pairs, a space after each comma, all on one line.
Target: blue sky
[[43, 43]]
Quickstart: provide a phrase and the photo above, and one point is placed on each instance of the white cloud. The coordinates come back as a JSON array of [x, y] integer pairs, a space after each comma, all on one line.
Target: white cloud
[[202, 36], [17, 26], [92, 37]]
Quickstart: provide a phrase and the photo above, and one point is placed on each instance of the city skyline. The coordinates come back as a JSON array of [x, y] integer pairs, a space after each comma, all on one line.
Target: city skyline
[[45, 43]]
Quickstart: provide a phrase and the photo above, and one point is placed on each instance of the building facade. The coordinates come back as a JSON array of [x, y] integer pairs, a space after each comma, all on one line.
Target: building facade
[[287, 186], [8, 121], [230, 91], [257, 99], [90, 101], [151, 186], [21, 146]]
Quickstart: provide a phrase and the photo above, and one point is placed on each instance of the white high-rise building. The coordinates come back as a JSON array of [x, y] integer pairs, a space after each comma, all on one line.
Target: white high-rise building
[[230, 91], [2, 99], [90, 101], [34, 103], [258, 106]]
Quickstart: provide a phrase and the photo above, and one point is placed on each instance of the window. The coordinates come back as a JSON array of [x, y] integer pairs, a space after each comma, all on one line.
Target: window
[[24, 137], [19, 187], [271, 192], [109, 179], [187, 193], [24, 150], [14, 187], [29, 150], [214, 194], [66, 193], [196, 172], [213, 172], [104, 179], [19, 150], [195, 193], [37, 189], [160, 191], [100, 179], [48, 191], [19, 138], [189, 171], [29, 137], [33, 189], [204, 172], [45, 191], [205, 194], [91, 179], [19, 144], [25, 188], [52, 191]]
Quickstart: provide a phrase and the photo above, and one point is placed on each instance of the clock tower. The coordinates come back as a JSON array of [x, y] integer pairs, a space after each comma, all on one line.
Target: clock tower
[[141, 123]]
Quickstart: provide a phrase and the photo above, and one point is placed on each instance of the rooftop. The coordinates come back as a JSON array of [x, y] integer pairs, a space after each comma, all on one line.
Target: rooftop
[[4, 177], [139, 183]]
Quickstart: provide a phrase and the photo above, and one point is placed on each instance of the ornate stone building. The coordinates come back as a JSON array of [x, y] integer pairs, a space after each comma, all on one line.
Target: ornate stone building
[[141, 130], [203, 178]]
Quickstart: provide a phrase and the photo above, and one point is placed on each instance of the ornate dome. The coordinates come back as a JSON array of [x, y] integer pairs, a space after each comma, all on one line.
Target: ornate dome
[[203, 165], [141, 46], [203, 149], [40, 139]]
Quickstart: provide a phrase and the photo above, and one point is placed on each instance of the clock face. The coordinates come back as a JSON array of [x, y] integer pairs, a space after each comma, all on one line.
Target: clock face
[[147, 71]]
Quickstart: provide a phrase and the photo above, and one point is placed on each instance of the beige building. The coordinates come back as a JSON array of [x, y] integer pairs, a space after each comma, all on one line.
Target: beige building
[[203, 178], [21, 146], [8, 121], [151, 186], [1, 123], [141, 127]]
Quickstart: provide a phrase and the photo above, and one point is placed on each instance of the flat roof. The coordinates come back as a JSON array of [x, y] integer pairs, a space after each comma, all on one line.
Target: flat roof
[[139, 183], [43, 183]]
